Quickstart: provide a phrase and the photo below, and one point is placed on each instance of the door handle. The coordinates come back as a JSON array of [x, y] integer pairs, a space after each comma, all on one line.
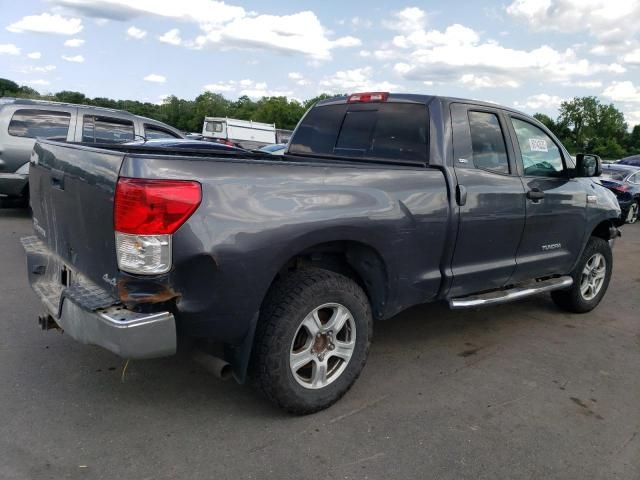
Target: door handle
[[461, 195], [535, 194]]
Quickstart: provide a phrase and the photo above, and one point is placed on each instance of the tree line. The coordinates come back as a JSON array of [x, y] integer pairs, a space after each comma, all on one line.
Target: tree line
[[584, 124]]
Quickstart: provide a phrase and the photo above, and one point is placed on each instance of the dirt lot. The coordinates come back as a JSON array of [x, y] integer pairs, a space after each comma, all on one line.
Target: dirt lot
[[519, 391]]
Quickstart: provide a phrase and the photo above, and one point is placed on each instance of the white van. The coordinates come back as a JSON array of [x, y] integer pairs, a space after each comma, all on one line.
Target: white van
[[244, 133]]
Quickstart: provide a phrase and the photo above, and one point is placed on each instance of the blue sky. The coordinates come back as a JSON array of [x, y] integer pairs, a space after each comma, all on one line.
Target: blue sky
[[530, 54]]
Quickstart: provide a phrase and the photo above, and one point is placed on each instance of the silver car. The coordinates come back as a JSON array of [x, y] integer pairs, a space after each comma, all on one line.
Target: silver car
[[22, 121]]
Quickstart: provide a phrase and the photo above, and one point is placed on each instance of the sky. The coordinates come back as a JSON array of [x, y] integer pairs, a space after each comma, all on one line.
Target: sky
[[528, 54]]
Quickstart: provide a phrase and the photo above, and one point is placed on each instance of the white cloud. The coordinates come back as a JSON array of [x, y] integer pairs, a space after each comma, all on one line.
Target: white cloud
[[38, 82], [458, 54], [360, 22], [357, 79], [36, 69], [298, 78], [74, 58], [155, 78], [542, 101], [9, 49], [227, 26], [260, 89], [74, 42], [47, 23], [408, 20], [220, 87], [34, 55], [624, 91], [584, 84], [172, 37], [135, 32], [633, 57], [613, 22], [473, 82]]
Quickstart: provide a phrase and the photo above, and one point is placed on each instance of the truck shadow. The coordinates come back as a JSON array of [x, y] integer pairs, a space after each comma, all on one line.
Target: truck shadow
[[428, 334]]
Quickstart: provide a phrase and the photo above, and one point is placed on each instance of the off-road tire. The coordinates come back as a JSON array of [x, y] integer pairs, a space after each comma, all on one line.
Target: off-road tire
[[289, 301], [572, 298]]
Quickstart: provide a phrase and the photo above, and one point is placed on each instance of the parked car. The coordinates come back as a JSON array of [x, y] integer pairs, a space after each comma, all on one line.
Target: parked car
[[624, 181], [22, 121], [633, 160], [275, 149], [385, 201], [185, 144]]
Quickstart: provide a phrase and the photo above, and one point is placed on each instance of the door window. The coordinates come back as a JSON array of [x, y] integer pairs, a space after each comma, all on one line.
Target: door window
[[97, 129], [34, 123], [152, 132], [487, 142], [540, 155]]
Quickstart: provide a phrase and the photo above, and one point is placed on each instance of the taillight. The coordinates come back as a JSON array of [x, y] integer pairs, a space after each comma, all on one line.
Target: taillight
[[146, 214], [153, 207], [620, 188], [368, 97]]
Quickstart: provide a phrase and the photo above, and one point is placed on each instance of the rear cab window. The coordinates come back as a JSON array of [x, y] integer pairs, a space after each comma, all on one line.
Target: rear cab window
[[101, 129], [377, 131], [33, 123]]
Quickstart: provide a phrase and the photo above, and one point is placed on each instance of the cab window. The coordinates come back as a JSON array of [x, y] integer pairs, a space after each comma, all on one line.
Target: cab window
[[34, 123], [152, 132], [540, 155], [487, 142], [98, 129]]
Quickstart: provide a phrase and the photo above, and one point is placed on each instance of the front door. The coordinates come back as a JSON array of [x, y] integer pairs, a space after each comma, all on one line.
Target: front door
[[490, 197], [555, 204]]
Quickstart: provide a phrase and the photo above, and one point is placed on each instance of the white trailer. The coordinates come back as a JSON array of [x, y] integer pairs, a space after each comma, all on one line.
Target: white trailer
[[244, 133]]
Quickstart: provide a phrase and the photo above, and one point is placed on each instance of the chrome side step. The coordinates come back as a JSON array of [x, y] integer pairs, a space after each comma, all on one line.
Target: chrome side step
[[510, 294]]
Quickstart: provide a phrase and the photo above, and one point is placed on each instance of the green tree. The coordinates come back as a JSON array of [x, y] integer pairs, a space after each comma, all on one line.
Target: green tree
[[70, 97], [8, 88]]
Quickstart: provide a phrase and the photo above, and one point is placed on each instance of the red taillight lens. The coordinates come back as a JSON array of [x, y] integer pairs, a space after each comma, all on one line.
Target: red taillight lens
[[154, 207], [368, 97], [621, 188]]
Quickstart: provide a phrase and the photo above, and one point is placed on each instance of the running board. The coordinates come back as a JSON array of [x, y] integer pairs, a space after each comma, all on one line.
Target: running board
[[517, 292]]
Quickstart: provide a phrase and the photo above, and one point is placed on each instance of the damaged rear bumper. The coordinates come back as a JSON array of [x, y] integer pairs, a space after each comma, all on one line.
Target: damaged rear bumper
[[90, 315]]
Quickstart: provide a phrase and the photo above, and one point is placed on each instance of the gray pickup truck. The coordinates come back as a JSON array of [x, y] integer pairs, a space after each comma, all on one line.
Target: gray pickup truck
[[277, 266]]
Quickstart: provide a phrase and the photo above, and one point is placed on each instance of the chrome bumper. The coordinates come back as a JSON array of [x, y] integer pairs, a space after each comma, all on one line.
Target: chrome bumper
[[90, 315], [121, 331]]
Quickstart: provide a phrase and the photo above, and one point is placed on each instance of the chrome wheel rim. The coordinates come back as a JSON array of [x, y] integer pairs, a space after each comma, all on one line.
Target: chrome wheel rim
[[593, 275], [322, 346], [632, 216]]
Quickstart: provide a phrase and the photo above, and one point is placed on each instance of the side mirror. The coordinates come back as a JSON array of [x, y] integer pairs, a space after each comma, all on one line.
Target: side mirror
[[588, 165]]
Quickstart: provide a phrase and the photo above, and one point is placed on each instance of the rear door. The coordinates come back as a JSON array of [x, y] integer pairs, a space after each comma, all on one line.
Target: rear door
[[555, 204], [490, 198]]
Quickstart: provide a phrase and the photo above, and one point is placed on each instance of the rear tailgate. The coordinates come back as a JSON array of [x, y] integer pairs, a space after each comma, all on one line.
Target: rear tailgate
[[72, 189]]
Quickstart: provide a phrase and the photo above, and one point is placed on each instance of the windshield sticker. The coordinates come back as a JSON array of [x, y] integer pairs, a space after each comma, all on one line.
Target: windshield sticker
[[538, 145]]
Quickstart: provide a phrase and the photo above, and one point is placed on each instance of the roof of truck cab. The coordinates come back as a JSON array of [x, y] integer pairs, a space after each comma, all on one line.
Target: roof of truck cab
[[423, 99]]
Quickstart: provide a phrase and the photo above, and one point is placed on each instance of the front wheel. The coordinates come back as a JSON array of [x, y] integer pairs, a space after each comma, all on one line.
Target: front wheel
[[312, 340], [590, 278]]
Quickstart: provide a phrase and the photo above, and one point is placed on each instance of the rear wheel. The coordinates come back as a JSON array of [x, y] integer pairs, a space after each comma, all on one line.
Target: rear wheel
[[632, 215], [312, 341], [590, 278]]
